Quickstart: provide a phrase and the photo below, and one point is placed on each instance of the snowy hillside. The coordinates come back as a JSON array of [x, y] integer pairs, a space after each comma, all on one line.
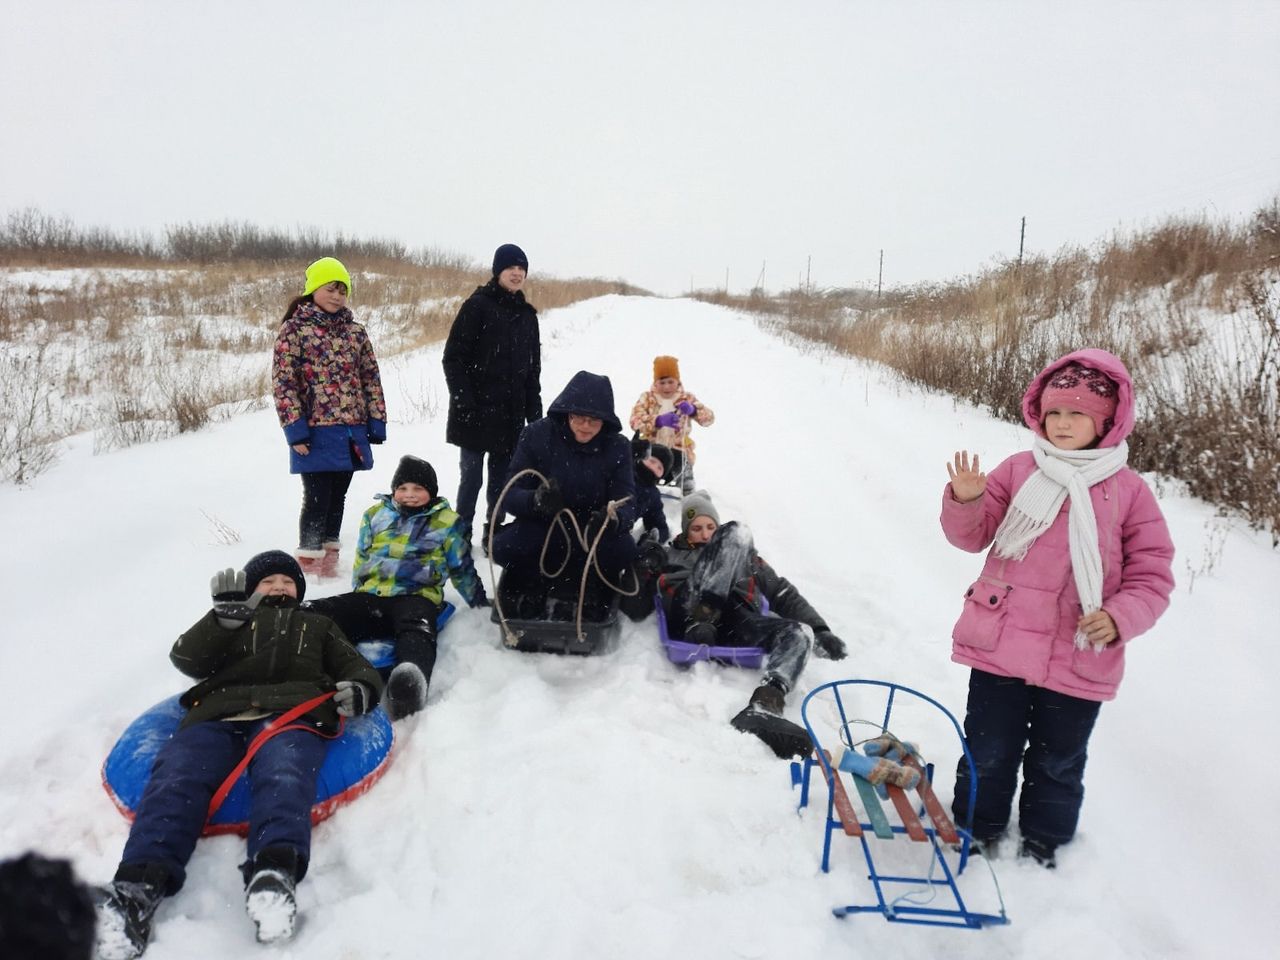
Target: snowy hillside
[[549, 807]]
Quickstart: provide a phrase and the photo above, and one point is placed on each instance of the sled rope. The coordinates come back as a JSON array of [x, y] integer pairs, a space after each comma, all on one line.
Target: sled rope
[[510, 637], [279, 725]]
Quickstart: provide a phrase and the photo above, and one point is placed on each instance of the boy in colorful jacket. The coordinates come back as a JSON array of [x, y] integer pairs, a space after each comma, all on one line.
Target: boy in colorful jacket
[[409, 543]]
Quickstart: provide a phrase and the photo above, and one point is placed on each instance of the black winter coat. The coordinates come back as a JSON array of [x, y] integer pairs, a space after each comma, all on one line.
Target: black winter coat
[[282, 657], [493, 365], [589, 474]]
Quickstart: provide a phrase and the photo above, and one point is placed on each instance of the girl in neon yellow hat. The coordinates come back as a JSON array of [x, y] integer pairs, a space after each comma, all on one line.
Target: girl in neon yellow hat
[[328, 394]]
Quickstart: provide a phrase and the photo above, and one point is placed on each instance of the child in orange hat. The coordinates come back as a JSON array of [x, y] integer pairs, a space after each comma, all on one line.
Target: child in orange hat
[[665, 413]]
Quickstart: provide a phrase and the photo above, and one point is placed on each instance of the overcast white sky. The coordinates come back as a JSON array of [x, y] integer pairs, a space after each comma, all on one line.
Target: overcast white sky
[[662, 142]]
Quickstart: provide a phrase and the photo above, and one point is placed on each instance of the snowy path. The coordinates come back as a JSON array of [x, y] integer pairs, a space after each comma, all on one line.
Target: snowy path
[[556, 807]]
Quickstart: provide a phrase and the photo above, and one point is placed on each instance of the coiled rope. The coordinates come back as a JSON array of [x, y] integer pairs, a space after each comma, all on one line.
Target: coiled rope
[[571, 532]]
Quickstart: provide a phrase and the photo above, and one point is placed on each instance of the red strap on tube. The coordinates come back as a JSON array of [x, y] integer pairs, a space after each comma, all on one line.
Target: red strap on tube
[[279, 725]]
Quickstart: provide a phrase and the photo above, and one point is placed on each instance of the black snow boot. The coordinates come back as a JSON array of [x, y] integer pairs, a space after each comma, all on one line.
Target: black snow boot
[[767, 698], [271, 878], [406, 690], [762, 717], [126, 907]]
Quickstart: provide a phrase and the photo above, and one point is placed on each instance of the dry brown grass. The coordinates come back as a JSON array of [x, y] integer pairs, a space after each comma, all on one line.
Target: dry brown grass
[[136, 342], [1190, 305]]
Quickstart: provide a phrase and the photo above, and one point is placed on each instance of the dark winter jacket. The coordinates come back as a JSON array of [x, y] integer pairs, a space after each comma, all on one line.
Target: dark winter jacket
[[328, 390], [649, 504], [757, 580], [282, 657], [589, 474], [493, 365]]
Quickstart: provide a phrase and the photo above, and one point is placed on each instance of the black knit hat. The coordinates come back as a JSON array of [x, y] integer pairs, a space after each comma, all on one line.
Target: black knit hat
[[273, 561], [415, 470], [509, 255]]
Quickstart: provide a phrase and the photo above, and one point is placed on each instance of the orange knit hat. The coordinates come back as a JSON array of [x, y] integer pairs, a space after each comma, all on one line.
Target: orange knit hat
[[666, 367]]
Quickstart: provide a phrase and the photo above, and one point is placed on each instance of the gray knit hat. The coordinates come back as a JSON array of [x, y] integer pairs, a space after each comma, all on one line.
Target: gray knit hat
[[697, 504]]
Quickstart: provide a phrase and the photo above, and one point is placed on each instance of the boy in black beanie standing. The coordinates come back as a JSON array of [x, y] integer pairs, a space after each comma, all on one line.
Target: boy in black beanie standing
[[493, 365]]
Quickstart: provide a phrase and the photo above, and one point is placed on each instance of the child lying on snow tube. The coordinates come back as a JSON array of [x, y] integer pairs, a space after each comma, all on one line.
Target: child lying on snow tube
[[257, 655]]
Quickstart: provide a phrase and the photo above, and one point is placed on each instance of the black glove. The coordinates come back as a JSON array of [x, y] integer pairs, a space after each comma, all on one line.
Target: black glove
[[481, 599], [548, 500], [651, 557], [352, 698], [828, 646], [231, 605], [597, 521]]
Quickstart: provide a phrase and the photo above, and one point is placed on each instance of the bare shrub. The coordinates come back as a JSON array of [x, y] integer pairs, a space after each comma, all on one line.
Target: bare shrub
[[223, 533], [28, 435], [1209, 395], [127, 423]]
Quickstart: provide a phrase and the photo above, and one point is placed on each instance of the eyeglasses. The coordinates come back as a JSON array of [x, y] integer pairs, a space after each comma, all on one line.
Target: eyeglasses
[[584, 419]]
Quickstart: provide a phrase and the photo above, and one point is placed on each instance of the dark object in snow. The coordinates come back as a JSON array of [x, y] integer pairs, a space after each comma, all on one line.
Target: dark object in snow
[[46, 913], [784, 738], [406, 691], [126, 908], [269, 896]]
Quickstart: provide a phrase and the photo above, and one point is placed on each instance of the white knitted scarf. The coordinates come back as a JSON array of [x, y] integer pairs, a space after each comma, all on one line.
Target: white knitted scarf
[[1062, 474]]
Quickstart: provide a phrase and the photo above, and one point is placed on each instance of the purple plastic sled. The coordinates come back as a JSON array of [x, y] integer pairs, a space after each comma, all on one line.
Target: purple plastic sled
[[679, 651]]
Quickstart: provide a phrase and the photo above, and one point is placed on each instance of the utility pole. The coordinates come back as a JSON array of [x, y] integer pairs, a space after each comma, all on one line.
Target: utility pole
[[808, 274], [726, 281], [1021, 239], [880, 277]]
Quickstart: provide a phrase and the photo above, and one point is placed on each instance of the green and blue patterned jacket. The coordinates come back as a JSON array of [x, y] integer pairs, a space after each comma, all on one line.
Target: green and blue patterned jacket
[[403, 553]]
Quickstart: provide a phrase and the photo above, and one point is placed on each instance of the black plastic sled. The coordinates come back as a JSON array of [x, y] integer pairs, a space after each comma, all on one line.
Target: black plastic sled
[[541, 621]]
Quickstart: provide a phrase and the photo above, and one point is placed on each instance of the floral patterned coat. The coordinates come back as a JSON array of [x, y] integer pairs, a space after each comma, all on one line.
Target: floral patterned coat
[[328, 390], [649, 406]]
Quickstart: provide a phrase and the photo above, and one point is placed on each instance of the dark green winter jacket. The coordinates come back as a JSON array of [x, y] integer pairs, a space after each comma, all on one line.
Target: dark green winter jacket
[[284, 656]]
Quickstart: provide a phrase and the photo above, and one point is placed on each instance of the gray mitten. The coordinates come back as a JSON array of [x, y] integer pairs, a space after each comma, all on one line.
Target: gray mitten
[[352, 698], [231, 605]]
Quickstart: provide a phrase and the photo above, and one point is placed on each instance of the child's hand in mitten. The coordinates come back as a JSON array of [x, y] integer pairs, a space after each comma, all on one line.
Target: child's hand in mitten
[[967, 483], [671, 420], [687, 408]]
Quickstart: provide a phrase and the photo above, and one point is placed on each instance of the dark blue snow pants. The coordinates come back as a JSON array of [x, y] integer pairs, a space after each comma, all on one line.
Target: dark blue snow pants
[[1010, 723], [471, 468], [190, 768]]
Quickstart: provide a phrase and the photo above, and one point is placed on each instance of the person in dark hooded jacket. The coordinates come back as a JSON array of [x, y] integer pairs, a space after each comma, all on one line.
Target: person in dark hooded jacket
[[493, 365], [579, 449]]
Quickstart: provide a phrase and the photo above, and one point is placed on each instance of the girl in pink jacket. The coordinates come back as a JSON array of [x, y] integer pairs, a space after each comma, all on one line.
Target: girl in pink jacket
[[1081, 564]]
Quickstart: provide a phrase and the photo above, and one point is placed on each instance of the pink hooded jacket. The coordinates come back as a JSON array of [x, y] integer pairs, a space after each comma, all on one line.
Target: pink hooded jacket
[[1019, 617]]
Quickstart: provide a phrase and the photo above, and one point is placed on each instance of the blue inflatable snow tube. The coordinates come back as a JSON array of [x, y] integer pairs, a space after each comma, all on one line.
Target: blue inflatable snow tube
[[355, 762]]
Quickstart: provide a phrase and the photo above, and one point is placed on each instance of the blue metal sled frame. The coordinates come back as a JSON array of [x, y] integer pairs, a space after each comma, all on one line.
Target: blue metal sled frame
[[940, 873]]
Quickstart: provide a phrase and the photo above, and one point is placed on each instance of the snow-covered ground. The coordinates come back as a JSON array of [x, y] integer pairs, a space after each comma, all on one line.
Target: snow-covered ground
[[563, 807]]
